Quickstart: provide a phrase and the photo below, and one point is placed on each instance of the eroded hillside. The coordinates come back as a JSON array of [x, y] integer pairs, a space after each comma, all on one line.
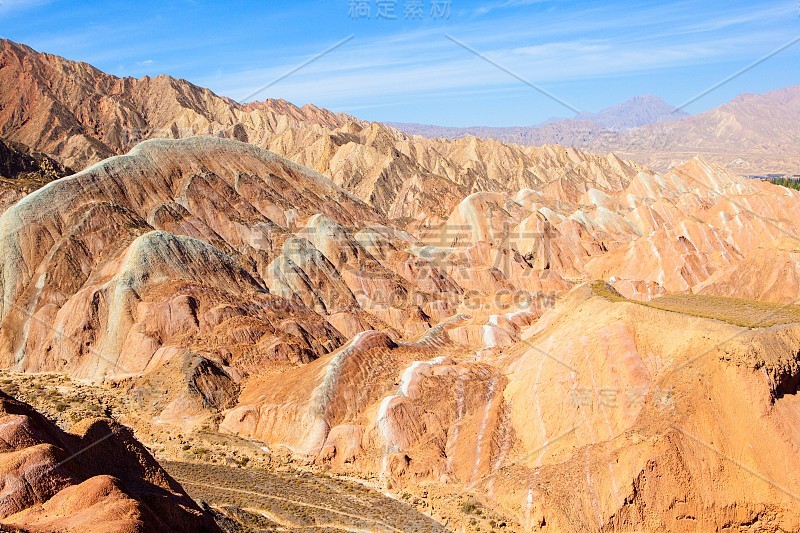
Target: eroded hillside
[[541, 338]]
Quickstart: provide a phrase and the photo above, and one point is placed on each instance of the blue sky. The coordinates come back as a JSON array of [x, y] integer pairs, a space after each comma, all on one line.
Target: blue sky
[[589, 54]]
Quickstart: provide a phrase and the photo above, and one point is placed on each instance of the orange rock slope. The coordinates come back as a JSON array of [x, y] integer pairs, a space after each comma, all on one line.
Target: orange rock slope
[[623, 422], [95, 478]]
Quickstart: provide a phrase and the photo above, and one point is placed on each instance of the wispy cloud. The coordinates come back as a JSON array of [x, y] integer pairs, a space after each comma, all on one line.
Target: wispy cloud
[[488, 7], [431, 64], [12, 6]]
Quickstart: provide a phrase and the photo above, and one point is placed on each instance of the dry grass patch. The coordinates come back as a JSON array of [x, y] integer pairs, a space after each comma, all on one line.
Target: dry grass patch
[[737, 311]]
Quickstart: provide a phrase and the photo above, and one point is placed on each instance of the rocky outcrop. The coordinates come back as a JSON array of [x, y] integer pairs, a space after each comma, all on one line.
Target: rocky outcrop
[[605, 424], [96, 477], [397, 411], [28, 167], [23, 170]]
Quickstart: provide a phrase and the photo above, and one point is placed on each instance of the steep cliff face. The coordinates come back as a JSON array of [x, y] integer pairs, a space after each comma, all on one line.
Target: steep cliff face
[[96, 477]]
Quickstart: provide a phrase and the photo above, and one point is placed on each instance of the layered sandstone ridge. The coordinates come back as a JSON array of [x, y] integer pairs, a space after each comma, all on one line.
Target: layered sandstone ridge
[[395, 319], [81, 116], [135, 253], [698, 228], [191, 266], [582, 216]]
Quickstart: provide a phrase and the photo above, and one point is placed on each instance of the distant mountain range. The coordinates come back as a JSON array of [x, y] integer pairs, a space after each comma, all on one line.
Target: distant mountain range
[[752, 134], [638, 111]]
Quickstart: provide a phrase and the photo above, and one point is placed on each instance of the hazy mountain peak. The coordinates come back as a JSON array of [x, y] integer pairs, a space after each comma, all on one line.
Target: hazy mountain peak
[[634, 112]]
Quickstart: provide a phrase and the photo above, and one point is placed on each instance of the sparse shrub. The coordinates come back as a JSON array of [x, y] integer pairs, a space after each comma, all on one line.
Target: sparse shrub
[[468, 507]]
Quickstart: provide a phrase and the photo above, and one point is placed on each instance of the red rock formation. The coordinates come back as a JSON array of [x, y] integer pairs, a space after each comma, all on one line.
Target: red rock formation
[[96, 477], [202, 262]]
